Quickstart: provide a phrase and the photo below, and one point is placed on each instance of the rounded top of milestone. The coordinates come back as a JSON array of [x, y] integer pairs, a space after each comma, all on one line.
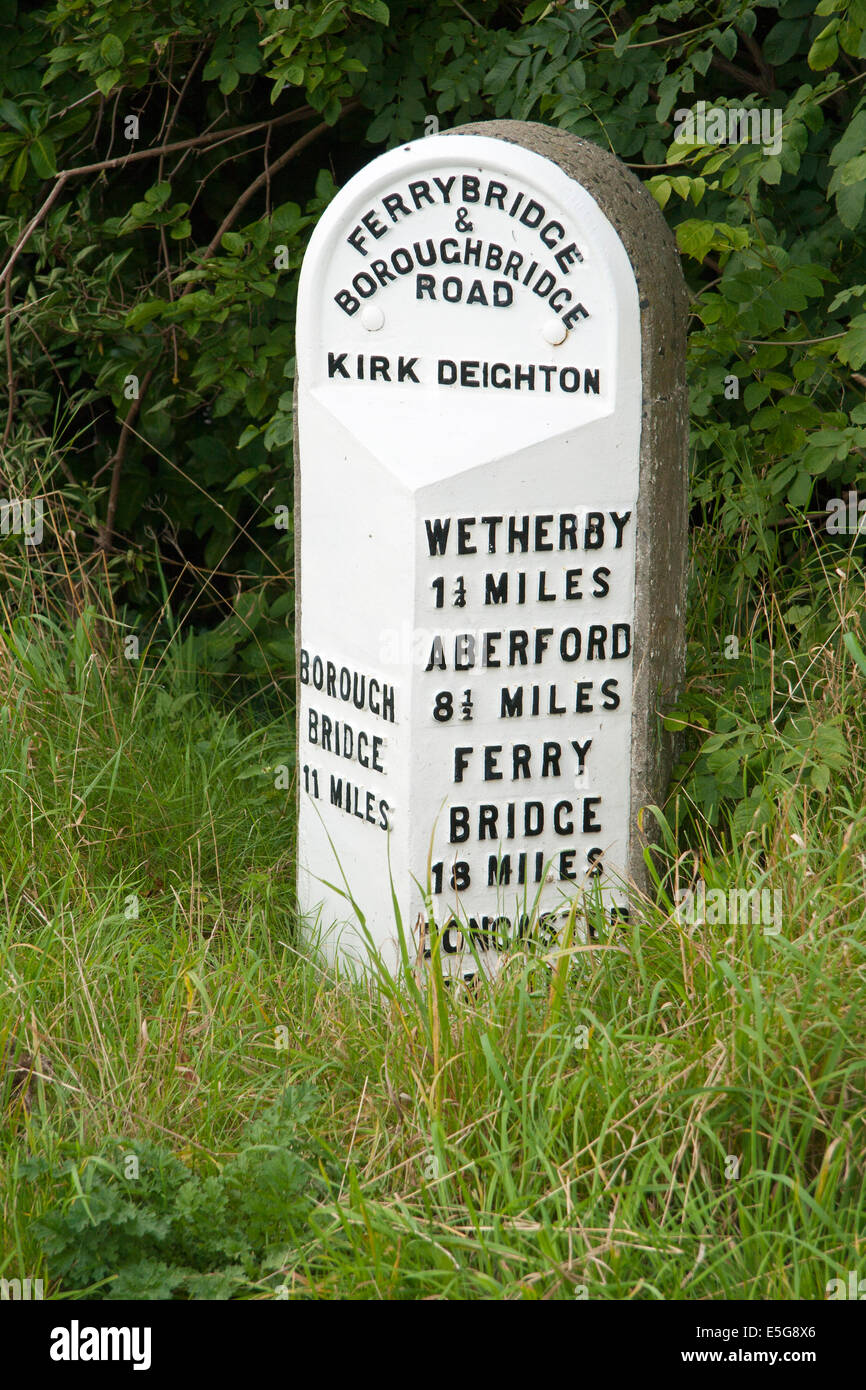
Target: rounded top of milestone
[[469, 289]]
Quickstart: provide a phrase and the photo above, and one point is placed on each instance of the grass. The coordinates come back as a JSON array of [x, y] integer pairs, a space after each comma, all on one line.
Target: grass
[[678, 1113]]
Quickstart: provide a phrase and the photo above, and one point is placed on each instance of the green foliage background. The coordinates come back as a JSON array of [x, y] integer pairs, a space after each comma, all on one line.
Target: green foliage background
[[180, 268]]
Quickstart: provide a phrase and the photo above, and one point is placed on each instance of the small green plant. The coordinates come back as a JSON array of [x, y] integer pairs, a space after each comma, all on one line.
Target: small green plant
[[138, 1223]]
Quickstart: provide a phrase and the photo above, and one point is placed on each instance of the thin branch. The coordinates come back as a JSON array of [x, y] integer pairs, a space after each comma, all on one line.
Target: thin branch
[[10, 369], [653, 43], [170, 89], [178, 103], [106, 531], [122, 160], [475, 21], [792, 342], [99, 116], [169, 282], [212, 173], [7, 300], [32, 225], [268, 173], [60, 114], [270, 170], [760, 61], [120, 91]]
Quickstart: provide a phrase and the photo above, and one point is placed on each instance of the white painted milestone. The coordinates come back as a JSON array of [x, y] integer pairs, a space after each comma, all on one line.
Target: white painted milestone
[[469, 427]]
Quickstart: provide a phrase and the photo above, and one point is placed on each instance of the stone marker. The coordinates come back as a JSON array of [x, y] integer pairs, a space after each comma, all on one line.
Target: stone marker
[[491, 465]]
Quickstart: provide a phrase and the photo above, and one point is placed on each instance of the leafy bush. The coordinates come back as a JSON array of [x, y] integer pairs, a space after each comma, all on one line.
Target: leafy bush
[[140, 1224]]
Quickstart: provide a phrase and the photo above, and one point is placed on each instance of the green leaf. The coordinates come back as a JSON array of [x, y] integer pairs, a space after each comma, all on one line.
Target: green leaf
[[800, 490], [247, 56], [158, 194], [42, 157], [771, 170], [825, 49], [251, 432], [143, 313], [242, 478], [256, 397], [675, 723], [111, 50], [754, 394], [108, 80], [14, 116], [783, 41], [373, 9], [852, 292], [325, 21], [726, 42], [695, 238], [660, 188], [669, 88], [849, 205], [853, 171], [852, 142], [855, 650], [229, 80], [380, 128], [19, 169], [852, 349], [234, 243]]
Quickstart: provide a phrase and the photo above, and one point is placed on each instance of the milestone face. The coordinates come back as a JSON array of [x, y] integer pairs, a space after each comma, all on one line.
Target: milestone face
[[469, 399]]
